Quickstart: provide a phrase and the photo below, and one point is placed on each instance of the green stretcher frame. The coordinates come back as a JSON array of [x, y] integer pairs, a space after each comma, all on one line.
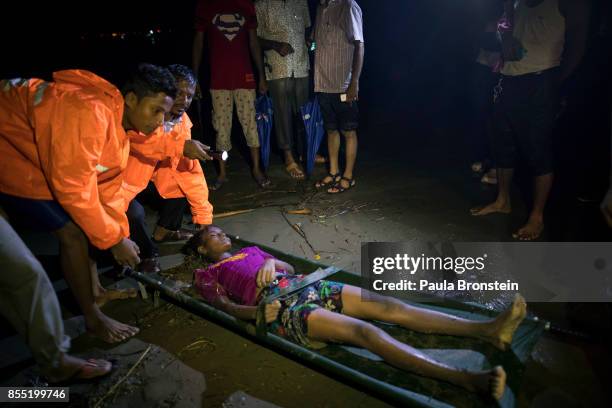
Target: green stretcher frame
[[364, 370]]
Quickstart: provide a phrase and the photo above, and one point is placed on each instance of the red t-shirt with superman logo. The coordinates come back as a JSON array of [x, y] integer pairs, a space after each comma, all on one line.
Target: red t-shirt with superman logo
[[226, 24]]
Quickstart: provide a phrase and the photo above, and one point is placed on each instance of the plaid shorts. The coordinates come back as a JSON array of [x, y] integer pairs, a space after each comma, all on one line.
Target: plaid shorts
[[292, 320]]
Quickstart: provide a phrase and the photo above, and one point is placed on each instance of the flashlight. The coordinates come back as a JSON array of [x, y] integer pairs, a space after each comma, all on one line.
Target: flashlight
[[218, 155]]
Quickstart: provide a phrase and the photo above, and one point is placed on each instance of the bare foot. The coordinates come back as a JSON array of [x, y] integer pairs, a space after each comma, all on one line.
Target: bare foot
[[530, 231], [74, 368], [106, 295], [107, 329], [507, 322], [261, 179], [494, 207], [491, 383], [489, 177]]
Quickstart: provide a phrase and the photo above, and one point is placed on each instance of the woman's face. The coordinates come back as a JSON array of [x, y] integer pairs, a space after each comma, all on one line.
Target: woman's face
[[214, 242]]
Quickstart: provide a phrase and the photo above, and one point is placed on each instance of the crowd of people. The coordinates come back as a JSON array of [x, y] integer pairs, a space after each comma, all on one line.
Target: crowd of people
[[81, 155]]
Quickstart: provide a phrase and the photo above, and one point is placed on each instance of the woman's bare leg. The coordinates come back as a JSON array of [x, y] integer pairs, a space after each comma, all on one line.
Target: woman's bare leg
[[498, 331], [324, 325]]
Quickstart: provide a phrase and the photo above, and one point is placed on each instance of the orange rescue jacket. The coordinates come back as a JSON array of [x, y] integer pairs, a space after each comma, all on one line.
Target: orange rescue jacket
[[64, 141], [174, 176]]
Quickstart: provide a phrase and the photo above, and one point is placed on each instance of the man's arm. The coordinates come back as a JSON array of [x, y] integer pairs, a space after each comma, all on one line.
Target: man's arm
[[576, 13], [258, 58], [282, 48], [247, 312], [238, 311], [353, 89]]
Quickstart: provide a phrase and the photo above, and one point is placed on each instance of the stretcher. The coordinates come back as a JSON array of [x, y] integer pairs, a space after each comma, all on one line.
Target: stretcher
[[364, 370]]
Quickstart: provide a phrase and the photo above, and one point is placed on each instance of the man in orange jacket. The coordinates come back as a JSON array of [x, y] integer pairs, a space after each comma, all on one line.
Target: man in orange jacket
[[63, 146], [178, 180]]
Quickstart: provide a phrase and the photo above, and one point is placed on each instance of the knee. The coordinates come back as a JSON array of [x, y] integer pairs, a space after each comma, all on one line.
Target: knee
[[391, 307], [135, 211], [365, 333], [70, 233], [350, 135]]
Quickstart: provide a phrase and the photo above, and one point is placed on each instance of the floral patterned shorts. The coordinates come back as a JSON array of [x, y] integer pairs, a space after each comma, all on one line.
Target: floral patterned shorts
[[292, 321]]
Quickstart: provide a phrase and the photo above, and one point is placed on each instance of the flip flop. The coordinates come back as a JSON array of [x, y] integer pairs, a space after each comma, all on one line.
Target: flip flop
[[339, 188], [294, 171], [91, 369]]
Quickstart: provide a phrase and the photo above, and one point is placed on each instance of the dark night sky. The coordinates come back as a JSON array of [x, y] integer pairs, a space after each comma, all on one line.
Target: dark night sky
[[417, 60]]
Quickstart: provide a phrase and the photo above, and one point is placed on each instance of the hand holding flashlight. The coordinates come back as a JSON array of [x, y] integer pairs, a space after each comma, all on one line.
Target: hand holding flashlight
[[196, 150]]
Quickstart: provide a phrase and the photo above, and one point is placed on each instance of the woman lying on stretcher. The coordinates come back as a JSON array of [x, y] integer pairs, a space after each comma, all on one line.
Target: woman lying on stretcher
[[329, 311]]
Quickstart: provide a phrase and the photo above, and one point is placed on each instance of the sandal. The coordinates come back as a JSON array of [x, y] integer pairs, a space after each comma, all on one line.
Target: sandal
[[174, 236], [338, 186], [294, 171], [334, 179]]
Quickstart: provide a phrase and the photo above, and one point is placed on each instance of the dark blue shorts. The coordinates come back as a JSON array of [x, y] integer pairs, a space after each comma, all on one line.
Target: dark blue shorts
[[338, 115], [38, 215]]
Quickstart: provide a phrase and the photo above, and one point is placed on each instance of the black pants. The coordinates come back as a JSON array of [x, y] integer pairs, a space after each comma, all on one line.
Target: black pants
[[523, 121], [288, 95], [170, 217], [483, 80]]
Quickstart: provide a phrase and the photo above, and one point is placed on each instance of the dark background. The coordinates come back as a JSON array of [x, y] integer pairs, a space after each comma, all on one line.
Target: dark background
[[415, 83]]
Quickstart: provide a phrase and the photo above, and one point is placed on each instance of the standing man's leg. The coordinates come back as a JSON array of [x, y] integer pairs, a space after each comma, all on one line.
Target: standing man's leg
[[78, 268], [330, 120], [302, 94], [283, 99], [536, 143], [245, 108], [29, 303], [348, 121], [503, 128], [223, 106]]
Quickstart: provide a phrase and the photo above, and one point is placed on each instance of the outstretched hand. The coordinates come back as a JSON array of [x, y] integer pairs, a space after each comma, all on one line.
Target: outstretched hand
[[196, 150], [126, 253]]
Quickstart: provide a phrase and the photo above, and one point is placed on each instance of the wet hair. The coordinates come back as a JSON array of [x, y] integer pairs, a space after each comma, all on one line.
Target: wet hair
[[182, 73], [148, 80], [191, 246]]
